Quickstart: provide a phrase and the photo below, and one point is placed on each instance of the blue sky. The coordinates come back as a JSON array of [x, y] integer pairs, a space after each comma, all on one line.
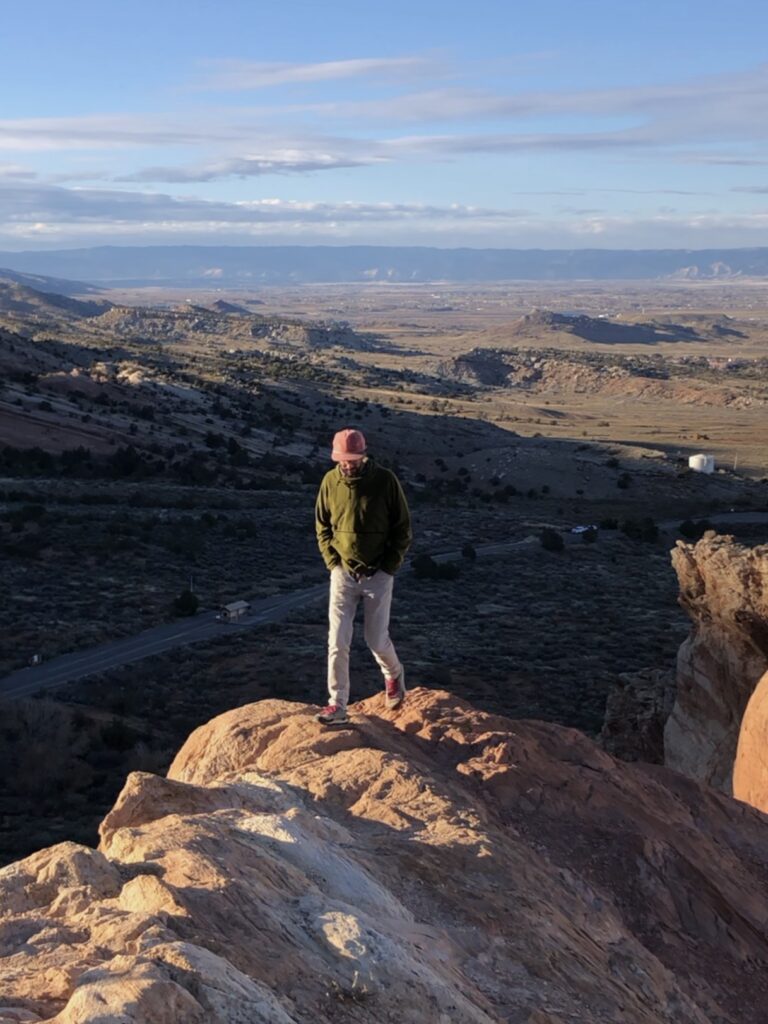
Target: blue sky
[[554, 125]]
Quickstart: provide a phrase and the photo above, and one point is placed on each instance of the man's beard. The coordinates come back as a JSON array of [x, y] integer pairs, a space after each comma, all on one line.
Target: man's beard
[[352, 471]]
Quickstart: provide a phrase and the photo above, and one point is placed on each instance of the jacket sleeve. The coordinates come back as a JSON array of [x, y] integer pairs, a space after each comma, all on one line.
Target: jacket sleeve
[[400, 535], [324, 529]]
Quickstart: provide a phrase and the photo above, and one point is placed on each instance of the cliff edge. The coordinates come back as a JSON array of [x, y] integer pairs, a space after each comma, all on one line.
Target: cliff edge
[[436, 864]]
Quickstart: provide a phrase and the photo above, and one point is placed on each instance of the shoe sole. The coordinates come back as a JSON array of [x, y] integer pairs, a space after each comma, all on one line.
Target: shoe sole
[[340, 721]]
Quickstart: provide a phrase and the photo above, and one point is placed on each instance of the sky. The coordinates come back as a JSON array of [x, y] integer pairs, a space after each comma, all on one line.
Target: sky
[[482, 123]]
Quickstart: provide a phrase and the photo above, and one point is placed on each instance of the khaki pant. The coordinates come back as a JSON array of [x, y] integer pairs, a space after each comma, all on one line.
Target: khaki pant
[[376, 595]]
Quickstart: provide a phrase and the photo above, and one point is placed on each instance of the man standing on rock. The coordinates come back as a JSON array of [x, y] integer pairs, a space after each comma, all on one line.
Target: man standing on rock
[[363, 531]]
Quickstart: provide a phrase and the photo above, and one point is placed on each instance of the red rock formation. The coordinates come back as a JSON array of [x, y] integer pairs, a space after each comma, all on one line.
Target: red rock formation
[[724, 589], [434, 866], [750, 773]]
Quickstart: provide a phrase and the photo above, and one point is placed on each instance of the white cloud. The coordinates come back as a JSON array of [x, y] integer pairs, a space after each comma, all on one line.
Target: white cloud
[[34, 215], [723, 107], [279, 161], [48, 204], [723, 111], [511, 142], [16, 172], [716, 120], [721, 160], [241, 74], [112, 132]]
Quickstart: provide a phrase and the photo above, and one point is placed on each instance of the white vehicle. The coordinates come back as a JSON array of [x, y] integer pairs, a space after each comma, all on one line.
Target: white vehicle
[[583, 529]]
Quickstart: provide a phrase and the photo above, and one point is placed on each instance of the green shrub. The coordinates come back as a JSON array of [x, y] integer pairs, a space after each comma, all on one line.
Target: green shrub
[[640, 529], [694, 530], [117, 736], [426, 568], [186, 603]]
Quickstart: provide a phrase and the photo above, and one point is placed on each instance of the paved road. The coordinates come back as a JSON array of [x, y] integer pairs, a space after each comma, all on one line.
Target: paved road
[[69, 668]]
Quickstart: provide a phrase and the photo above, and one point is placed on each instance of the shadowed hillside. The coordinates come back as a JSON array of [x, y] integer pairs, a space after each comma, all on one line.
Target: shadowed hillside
[[603, 331], [18, 298]]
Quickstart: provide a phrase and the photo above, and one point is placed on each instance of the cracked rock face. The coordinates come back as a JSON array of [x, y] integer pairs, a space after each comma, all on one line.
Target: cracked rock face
[[724, 589], [436, 864]]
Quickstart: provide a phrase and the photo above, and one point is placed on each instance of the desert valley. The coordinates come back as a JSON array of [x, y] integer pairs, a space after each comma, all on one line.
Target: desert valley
[[160, 451]]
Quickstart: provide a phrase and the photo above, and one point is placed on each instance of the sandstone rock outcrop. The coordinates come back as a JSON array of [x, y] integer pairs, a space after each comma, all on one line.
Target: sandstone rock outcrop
[[750, 772], [724, 589], [433, 866]]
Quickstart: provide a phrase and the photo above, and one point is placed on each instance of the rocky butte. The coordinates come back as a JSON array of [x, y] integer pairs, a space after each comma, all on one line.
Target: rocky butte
[[432, 866], [724, 589]]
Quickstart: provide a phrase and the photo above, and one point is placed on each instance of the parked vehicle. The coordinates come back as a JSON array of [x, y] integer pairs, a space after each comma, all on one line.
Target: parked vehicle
[[234, 610]]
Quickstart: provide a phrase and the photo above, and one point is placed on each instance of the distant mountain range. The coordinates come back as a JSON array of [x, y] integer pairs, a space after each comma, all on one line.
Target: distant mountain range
[[243, 266]]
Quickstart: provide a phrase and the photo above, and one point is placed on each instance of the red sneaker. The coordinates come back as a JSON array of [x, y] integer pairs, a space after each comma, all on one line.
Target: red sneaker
[[395, 690], [333, 715]]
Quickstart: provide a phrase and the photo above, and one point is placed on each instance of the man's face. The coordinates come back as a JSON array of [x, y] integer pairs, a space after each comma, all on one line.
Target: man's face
[[351, 467]]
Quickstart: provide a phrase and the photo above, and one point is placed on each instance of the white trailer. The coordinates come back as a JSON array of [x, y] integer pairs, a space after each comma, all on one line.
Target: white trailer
[[233, 611]]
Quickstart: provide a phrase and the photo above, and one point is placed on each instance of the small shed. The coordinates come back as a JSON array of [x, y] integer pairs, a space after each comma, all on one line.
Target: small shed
[[235, 610], [702, 463]]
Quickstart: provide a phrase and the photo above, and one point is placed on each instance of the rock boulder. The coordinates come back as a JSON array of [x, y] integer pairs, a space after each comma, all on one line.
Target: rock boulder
[[436, 864], [750, 773]]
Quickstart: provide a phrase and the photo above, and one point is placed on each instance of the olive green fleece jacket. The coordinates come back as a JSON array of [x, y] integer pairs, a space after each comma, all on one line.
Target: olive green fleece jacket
[[362, 522]]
